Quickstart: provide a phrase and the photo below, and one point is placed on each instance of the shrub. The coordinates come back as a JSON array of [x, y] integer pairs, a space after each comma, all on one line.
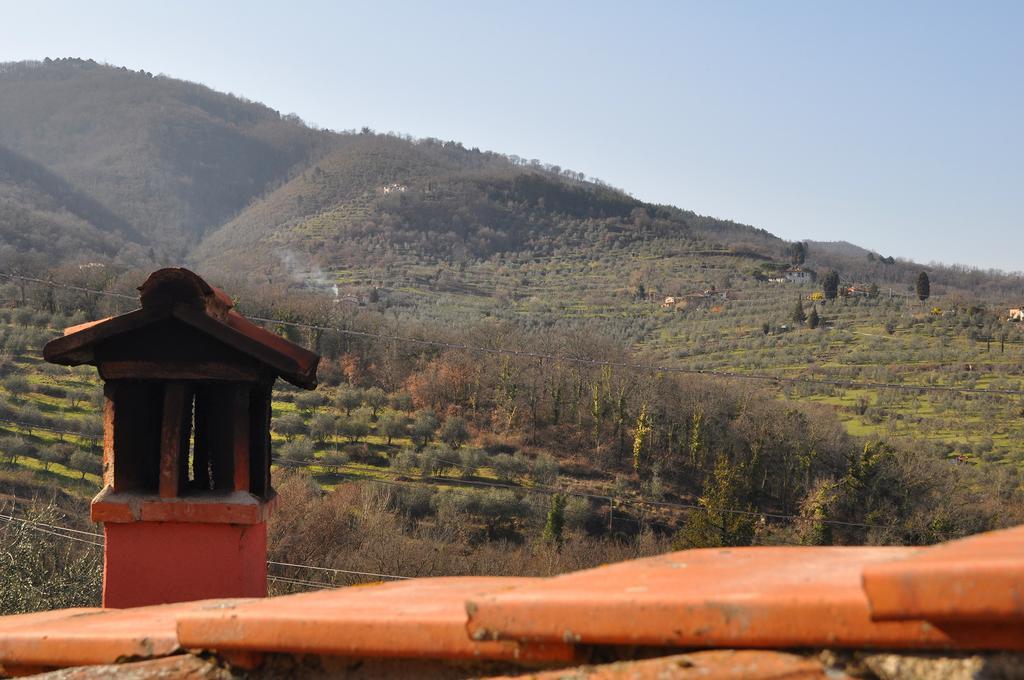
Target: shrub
[[376, 399], [322, 427], [414, 501], [334, 460], [349, 398], [506, 467], [428, 463], [310, 401], [544, 469], [290, 425], [454, 432], [423, 427], [295, 453], [48, 456], [85, 463], [471, 460], [51, 390], [402, 401], [17, 385], [41, 572], [577, 513], [404, 462], [354, 428], [393, 426]]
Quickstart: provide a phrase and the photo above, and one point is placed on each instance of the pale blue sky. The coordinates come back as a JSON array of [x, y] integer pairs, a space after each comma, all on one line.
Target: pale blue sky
[[894, 125]]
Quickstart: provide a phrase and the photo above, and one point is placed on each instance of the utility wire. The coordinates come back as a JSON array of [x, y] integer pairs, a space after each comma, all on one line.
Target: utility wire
[[339, 571], [53, 526], [32, 525], [44, 527], [316, 585], [67, 286]]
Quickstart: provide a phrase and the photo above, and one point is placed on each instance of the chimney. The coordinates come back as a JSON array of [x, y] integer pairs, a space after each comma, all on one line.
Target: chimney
[[186, 452]]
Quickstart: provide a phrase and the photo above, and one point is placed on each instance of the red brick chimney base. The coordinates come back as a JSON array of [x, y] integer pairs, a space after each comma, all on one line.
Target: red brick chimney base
[[158, 562]]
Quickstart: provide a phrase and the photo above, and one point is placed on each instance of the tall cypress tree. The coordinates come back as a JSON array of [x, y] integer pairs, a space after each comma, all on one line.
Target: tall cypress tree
[[923, 286], [799, 316], [813, 319], [555, 520], [830, 286]]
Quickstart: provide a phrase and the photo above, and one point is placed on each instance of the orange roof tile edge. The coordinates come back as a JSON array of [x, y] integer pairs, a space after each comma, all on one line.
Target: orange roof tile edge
[[420, 618], [739, 597], [979, 578], [79, 637]]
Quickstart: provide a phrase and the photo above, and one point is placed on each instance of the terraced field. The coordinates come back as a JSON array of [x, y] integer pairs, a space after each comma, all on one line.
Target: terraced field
[[945, 342]]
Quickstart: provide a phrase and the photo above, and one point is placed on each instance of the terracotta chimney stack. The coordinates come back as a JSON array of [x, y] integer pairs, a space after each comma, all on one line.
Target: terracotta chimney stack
[[186, 456]]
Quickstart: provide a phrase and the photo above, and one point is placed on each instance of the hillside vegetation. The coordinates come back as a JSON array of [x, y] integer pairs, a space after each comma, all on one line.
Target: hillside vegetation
[[525, 369], [165, 159]]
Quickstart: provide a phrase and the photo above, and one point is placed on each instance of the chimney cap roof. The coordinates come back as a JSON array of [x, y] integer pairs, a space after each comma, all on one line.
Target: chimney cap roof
[[183, 295]]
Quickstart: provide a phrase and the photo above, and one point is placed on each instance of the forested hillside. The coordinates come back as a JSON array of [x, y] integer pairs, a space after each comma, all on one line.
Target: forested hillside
[[525, 369], [166, 159], [43, 213]]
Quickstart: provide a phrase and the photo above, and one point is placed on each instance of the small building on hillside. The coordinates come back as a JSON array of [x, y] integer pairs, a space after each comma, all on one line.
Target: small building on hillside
[[799, 275], [1017, 314], [856, 291]]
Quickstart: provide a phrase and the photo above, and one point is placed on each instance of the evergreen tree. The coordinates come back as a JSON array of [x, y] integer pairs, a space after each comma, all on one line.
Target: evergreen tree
[[812, 319], [830, 285], [556, 520], [799, 316], [798, 253], [640, 433], [923, 286], [724, 517]]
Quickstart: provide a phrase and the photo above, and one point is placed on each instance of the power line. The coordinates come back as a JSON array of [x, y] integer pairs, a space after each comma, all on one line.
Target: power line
[[32, 525], [302, 582], [46, 528], [54, 526], [67, 286], [339, 571], [586, 361]]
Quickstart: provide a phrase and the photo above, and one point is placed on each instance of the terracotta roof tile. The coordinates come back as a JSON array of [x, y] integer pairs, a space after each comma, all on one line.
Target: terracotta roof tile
[[739, 597], [79, 637], [969, 592], [420, 618], [980, 578]]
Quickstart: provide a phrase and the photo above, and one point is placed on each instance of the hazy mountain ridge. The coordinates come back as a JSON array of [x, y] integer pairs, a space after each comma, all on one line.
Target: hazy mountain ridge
[[155, 170], [173, 159]]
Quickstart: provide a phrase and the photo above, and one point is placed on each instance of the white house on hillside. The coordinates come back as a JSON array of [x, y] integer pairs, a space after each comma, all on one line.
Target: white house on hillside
[[799, 275]]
